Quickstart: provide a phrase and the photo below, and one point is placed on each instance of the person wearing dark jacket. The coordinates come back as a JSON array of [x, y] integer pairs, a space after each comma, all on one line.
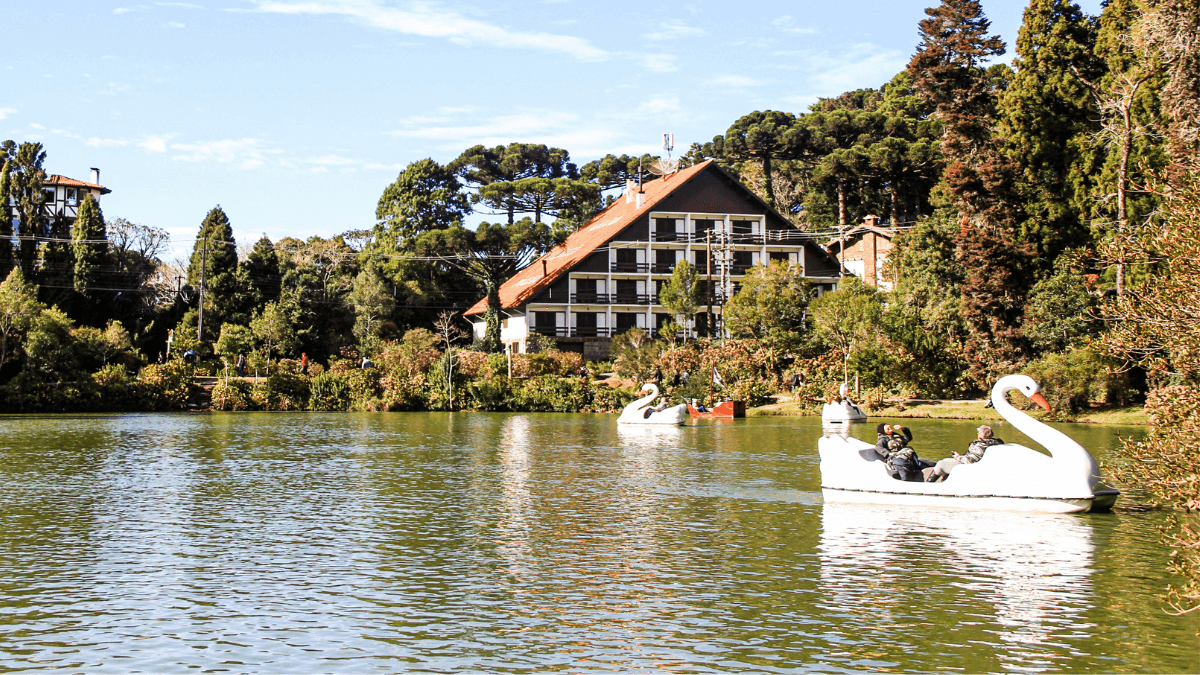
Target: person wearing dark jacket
[[983, 440]]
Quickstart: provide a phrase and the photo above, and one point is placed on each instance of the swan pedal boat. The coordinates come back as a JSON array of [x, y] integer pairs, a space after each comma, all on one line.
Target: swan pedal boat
[[637, 413], [1010, 477], [843, 411]]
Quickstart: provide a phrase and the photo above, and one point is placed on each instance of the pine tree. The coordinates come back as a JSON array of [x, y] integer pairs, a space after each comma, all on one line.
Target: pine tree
[[56, 269], [948, 73], [25, 185], [261, 273], [1046, 121], [219, 266], [7, 259], [89, 244]]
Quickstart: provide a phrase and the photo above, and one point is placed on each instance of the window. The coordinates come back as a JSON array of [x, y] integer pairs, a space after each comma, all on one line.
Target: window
[[47, 195], [627, 291], [664, 229], [72, 196], [703, 227], [625, 321], [664, 260], [701, 261], [779, 255]]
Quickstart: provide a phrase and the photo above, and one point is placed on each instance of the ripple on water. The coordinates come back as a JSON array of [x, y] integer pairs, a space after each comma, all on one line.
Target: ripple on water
[[441, 543]]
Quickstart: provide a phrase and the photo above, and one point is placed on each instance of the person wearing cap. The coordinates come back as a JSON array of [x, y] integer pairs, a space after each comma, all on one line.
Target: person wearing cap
[[892, 447], [983, 440]]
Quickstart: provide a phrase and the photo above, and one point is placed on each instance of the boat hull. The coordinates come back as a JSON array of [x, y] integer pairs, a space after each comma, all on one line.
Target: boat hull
[[1009, 478], [842, 413], [990, 503], [722, 410]]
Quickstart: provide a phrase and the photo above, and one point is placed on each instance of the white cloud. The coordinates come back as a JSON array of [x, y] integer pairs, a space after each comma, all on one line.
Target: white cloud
[[121, 10], [671, 31], [856, 66], [155, 143], [788, 24], [431, 21], [5, 112], [558, 129], [331, 160], [35, 125], [660, 105], [247, 153], [105, 142], [175, 24], [737, 81], [184, 5], [376, 166], [659, 63]]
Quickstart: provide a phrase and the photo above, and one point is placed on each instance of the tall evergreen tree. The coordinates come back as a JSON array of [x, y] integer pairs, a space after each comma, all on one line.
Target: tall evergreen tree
[[949, 73], [7, 260], [1046, 120], [261, 274], [25, 183], [89, 244], [496, 173], [214, 262], [763, 137], [425, 196], [56, 269]]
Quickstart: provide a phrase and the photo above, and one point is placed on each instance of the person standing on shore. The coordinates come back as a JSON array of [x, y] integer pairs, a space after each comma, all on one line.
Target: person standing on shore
[[241, 365], [303, 363]]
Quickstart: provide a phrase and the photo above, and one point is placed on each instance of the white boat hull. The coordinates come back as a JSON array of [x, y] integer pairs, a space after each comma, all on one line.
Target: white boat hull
[[1009, 477], [1030, 504], [842, 413]]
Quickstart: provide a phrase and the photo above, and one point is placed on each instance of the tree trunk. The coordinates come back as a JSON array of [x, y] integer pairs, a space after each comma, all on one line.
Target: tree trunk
[[841, 189], [491, 331], [895, 216], [767, 183], [1122, 188]]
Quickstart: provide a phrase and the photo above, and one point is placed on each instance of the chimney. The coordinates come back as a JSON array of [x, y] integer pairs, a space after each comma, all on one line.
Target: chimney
[[641, 199], [95, 176], [544, 272], [871, 220], [629, 185]]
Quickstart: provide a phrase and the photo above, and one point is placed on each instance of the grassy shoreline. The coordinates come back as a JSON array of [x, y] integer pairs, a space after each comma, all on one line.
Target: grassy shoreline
[[953, 410]]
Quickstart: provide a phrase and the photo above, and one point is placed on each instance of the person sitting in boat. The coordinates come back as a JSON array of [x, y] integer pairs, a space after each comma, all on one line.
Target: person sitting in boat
[[891, 445], [983, 440]]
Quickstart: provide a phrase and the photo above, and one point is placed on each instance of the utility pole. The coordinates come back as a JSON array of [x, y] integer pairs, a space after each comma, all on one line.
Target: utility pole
[[726, 261], [712, 319], [203, 269]]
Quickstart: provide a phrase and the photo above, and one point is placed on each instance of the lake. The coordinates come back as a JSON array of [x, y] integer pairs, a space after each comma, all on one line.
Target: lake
[[467, 542]]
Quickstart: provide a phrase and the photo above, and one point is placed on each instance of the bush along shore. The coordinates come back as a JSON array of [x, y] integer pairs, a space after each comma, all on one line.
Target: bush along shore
[[417, 374]]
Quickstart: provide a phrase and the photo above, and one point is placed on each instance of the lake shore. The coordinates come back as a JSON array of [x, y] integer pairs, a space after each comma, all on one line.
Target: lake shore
[[947, 409]]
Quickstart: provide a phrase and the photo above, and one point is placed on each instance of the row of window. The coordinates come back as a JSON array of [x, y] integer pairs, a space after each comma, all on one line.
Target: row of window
[[592, 324]]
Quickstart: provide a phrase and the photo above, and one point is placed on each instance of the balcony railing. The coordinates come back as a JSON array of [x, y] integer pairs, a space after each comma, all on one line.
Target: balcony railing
[[630, 267]]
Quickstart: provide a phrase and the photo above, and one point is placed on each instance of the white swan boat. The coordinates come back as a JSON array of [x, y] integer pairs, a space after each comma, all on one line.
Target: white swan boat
[[842, 411], [639, 412], [1009, 477]]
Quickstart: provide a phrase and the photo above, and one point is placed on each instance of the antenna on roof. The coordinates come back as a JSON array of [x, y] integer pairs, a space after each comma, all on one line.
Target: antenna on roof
[[665, 167]]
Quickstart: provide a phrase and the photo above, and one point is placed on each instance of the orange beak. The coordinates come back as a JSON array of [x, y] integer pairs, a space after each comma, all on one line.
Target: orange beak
[[1041, 400]]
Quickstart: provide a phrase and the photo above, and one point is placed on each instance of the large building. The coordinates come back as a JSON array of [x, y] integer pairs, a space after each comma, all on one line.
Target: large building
[[605, 278], [864, 251], [62, 196]]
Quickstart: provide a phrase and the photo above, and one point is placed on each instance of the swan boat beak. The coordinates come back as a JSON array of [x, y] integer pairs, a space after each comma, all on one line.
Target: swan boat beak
[[1041, 400]]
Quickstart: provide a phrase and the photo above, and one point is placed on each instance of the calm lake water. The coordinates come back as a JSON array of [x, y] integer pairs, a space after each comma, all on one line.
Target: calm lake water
[[304, 543]]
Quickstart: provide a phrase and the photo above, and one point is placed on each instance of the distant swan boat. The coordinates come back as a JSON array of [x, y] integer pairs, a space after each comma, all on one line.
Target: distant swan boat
[[1009, 477], [842, 411], [639, 412]]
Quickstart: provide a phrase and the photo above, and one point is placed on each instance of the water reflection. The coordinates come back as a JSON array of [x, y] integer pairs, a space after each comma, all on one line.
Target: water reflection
[[1030, 573]]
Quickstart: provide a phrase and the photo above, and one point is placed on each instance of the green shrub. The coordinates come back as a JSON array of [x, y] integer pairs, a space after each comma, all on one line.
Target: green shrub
[[611, 399], [115, 389], [165, 386], [329, 391], [231, 395], [280, 391], [550, 393], [1073, 380], [492, 394], [365, 388]]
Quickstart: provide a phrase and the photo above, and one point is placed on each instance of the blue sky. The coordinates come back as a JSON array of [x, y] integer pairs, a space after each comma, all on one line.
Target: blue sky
[[294, 115]]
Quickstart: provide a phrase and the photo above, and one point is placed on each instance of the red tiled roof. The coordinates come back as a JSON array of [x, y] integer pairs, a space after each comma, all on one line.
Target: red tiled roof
[[56, 179], [587, 239]]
